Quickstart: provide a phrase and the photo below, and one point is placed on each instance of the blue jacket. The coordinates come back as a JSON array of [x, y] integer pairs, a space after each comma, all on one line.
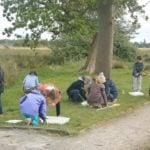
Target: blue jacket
[[34, 104], [30, 81], [111, 89], [137, 69]]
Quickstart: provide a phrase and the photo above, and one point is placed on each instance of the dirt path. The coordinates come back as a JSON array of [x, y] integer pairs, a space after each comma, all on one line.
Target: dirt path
[[126, 133]]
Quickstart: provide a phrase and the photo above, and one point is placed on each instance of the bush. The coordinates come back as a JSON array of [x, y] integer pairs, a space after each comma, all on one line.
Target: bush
[[147, 67], [68, 50], [146, 58], [118, 64], [11, 73], [125, 50]]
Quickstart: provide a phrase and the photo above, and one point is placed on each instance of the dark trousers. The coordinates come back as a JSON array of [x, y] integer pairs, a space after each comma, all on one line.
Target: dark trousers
[[75, 96], [58, 109], [111, 97], [1, 110]]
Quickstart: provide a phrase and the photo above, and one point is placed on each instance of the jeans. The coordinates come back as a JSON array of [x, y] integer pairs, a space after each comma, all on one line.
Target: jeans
[[111, 97], [137, 84], [35, 119]]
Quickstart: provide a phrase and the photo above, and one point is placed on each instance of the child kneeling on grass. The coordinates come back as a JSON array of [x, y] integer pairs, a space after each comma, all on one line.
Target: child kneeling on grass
[[76, 91], [52, 93], [96, 94], [33, 107]]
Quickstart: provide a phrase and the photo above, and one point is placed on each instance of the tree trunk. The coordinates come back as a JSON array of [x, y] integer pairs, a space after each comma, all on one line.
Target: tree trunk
[[101, 57], [90, 61]]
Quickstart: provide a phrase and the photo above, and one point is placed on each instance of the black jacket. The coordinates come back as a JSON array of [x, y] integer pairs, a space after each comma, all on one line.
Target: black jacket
[[77, 85], [1, 80]]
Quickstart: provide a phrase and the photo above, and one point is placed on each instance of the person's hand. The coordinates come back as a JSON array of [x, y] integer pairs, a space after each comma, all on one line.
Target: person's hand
[[51, 105], [137, 75], [42, 121], [45, 121]]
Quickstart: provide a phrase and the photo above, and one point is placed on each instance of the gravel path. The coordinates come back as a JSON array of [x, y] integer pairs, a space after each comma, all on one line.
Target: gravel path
[[129, 132]]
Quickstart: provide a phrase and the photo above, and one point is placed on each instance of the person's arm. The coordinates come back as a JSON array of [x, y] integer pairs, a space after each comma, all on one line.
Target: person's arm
[[142, 68], [24, 81], [42, 110], [56, 100], [1, 80], [107, 88], [104, 93], [55, 95], [88, 90], [135, 74], [37, 81], [83, 93], [114, 90]]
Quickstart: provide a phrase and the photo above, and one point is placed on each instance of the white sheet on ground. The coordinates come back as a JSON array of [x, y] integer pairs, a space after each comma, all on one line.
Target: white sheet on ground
[[57, 120], [13, 121], [84, 103], [136, 93]]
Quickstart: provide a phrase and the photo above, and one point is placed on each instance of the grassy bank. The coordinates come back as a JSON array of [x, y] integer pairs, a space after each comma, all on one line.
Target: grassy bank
[[81, 118]]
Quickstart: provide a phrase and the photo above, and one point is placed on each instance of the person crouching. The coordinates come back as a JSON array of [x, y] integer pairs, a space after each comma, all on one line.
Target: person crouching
[[96, 94], [33, 107], [53, 96]]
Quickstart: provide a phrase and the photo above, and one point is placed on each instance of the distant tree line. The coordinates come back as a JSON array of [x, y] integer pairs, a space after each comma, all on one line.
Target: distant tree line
[[22, 43], [142, 44]]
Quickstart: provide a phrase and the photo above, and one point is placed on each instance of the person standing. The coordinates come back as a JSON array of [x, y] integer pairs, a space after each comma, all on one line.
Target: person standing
[[1, 88], [137, 74]]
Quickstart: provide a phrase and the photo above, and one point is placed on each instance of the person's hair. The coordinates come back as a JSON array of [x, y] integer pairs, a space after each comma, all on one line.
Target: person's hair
[[139, 57], [97, 79], [83, 78], [33, 72]]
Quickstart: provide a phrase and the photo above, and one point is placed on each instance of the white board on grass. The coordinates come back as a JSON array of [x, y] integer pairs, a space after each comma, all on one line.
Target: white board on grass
[[13, 121], [136, 93], [57, 120]]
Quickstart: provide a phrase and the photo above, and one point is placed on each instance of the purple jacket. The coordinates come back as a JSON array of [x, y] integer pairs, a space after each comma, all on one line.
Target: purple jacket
[[33, 103], [97, 95]]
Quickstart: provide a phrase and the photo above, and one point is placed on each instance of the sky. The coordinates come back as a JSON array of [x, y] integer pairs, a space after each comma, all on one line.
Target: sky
[[143, 32]]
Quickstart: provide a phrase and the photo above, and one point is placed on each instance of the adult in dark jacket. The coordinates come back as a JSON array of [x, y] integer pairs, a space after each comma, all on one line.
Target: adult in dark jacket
[[76, 91], [1, 87]]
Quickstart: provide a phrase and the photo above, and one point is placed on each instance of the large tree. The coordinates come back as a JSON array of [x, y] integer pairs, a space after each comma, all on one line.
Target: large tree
[[100, 56], [74, 18]]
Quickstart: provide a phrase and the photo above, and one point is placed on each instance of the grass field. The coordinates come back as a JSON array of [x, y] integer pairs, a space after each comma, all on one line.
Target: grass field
[[144, 52], [23, 51], [81, 118]]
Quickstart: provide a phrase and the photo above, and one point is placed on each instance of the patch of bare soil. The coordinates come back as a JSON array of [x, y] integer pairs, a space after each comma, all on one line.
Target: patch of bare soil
[[130, 132]]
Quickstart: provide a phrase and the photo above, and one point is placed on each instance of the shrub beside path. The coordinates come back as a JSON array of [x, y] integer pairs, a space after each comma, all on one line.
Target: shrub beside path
[[129, 132]]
